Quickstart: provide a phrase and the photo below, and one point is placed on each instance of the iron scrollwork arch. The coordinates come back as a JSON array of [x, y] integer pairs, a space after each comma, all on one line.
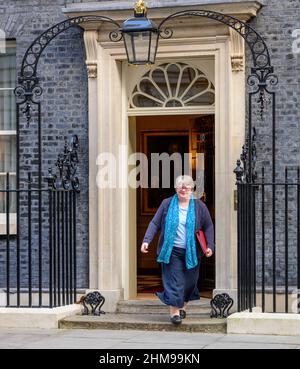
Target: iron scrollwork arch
[[33, 53], [28, 88], [258, 47]]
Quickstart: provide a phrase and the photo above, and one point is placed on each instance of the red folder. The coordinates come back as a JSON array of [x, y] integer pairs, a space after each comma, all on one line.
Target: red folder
[[202, 240]]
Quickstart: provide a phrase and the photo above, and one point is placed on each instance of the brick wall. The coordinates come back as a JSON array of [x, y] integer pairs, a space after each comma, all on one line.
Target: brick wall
[[276, 22], [64, 110]]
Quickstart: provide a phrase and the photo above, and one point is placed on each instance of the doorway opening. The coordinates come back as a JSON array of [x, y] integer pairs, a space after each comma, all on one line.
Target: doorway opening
[[193, 134]]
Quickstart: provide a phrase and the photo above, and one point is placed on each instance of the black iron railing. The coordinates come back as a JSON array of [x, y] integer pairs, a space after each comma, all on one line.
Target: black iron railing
[[38, 253], [269, 244], [40, 263], [62, 247]]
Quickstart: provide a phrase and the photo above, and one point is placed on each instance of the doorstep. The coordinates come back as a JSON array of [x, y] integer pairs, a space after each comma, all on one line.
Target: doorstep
[[149, 315], [148, 322], [155, 306]]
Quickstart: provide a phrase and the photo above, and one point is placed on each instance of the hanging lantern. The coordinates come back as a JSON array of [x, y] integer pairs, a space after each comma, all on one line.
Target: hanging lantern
[[140, 36]]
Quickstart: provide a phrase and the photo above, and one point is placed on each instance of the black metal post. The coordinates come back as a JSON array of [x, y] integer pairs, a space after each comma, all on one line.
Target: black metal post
[[58, 250], [241, 248], [67, 247], [18, 200], [247, 243], [239, 253], [40, 206], [274, 245], [263, 238], [50, 248], [18, 249], [29, 243], [7, 242], [286, 242], [63, 246], [298, 240], [71, 244], [254, 189], [74, 246], [245, 249], [54, 249]]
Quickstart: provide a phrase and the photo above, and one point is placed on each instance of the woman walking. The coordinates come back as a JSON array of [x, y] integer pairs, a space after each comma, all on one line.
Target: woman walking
[[178, 217]]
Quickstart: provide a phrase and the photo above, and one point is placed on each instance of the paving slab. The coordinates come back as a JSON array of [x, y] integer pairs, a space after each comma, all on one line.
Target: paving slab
[[72, 343], [294, 340], [247, 345], [111, 334], [130, 339], [177, 337], [158, 346]]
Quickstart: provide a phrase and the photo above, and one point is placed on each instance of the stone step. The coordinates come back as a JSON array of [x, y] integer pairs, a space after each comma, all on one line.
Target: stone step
[[157, 307], [150, 322]]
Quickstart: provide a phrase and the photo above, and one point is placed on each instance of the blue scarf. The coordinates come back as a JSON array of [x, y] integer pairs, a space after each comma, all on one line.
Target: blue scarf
[[172, 222]]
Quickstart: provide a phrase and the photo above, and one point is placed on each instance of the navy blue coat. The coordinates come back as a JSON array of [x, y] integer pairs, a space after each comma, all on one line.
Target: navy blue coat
[[203, 221]]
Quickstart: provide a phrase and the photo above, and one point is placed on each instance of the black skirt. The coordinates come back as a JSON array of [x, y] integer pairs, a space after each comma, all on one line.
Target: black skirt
[[180, 283]]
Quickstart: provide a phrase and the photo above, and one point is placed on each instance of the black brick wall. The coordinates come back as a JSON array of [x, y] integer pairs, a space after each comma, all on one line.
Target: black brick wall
[[275, 22], [63, 78]]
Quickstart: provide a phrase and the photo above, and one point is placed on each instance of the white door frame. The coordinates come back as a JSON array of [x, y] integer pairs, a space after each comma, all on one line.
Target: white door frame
[[112, 268]]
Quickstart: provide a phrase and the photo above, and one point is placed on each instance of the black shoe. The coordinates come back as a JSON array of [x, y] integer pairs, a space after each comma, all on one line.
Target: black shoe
[[182, 313], [175, 319]]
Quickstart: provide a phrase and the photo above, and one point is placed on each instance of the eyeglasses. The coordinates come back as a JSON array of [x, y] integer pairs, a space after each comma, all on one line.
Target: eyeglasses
[[184, 187]]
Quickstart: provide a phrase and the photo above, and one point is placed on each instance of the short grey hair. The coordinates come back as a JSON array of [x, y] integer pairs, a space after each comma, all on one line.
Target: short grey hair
[[184, 180]]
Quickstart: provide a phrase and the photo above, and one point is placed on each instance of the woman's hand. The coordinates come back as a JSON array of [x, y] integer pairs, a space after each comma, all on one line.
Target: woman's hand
[[144, 248], [209, 253]]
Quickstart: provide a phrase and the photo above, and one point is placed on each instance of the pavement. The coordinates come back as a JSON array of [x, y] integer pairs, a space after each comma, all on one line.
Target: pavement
[[130, 339]]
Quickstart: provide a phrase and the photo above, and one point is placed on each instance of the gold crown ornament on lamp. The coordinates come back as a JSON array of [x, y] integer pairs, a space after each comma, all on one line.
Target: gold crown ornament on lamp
[[140, 36], [140, 9]]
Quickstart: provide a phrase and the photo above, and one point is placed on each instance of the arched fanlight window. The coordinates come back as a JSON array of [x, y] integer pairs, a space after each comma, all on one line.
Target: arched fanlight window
[[173, 85]]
